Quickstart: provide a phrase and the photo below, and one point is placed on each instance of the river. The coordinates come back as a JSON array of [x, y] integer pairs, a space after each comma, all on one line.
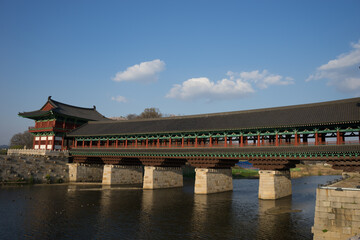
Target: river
[[69, 211]]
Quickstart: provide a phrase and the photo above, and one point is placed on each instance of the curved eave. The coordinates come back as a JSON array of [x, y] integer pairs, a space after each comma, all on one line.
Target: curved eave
[[35, 114]]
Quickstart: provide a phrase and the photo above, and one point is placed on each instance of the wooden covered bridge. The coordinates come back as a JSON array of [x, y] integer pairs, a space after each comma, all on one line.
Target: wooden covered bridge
[[273, 139]]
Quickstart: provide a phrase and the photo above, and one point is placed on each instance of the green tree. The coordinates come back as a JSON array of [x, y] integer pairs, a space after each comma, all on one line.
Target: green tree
[[20, 140]]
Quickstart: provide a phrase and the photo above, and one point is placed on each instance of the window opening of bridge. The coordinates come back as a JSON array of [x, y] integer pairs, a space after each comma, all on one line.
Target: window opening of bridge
[[228, 140]]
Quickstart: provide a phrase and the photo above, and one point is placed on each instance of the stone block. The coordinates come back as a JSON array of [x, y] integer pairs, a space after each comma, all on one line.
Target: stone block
[[212, 180], [274, 184], [162, 177], [85, 172], [115, 174]]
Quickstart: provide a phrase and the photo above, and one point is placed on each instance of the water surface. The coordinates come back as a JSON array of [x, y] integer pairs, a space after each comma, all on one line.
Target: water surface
[[95, 212]]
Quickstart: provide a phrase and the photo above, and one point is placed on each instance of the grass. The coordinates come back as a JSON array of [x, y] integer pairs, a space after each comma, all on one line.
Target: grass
[[3, 152], [245, 173]]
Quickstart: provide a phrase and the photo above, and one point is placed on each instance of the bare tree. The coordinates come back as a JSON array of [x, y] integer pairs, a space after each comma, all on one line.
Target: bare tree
[[150, 113], [131, 116], [20, 140]]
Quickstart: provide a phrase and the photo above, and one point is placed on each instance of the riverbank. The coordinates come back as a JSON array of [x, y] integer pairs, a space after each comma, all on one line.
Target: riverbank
[[33, 169], [301, 170]]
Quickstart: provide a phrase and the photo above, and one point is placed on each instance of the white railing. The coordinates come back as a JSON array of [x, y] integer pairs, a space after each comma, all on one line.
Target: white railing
[[37, 152]]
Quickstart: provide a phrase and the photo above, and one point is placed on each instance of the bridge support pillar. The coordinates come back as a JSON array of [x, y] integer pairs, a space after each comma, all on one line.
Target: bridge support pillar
[[118, 174], [208, 180], [162, 177], [274, 184], [85, 172]]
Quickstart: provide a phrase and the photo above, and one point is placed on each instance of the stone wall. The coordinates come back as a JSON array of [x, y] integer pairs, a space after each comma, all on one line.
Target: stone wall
[[34, 169], [337, 214], [38, 152], [79, 172], [115, 174], [162, 177], [212, 180], [274, 184]]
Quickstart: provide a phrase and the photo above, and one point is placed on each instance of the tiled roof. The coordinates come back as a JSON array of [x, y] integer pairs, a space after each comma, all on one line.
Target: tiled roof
[[315, 114], [68, 110]]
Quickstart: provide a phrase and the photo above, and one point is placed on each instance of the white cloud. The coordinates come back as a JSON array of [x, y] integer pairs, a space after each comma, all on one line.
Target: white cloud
[[342, 72], [119, 99], [237, 85], [143, 72], [264, 79]]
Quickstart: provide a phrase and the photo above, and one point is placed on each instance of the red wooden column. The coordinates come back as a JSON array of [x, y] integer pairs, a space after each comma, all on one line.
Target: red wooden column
[[316, 138], [182, 142], [158, 142], [46, 142], [107, 143], [277, 139], [296, 139], [196, 142], [116, 143], [74, 143], [230, 141], [169, 142], [210, 141], [83, 143], [241, 141], [258, 140], [34, 142], [136, 142], [225, 141], [338, 140], [90, 143], [98, 143], [126, 143]]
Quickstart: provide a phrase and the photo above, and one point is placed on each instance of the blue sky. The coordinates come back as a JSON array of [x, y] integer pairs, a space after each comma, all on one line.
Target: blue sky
[[183, 57]]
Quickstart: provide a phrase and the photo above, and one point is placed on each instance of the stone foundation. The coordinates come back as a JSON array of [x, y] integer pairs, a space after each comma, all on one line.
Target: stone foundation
[[274, 184], [213, 180], [34, 169], [162, 177], [337, 214], [85, 172], [117, 174]]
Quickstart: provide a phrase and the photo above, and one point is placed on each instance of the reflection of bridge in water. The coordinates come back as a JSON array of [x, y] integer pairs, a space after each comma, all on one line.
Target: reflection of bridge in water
[[273, 140]]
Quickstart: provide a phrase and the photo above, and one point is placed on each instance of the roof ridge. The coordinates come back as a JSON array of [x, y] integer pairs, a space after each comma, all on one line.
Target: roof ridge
[[55, 102], [235, 112]]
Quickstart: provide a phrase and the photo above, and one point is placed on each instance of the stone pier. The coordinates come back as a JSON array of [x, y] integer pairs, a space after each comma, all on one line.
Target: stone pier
[[337, 210], [208, 180], [274, 184], [118, 174], [79, 172], [162, 177]]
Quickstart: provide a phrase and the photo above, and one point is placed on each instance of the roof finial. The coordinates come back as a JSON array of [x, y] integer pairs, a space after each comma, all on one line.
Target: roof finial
[[94, 107], [49, 98]]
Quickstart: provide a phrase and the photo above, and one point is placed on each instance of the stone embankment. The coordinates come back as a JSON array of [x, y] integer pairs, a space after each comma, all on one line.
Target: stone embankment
[[34, 169], [337, 210]]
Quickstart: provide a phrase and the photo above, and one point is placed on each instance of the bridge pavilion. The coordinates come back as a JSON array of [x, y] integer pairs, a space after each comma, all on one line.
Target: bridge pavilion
[[54, 119]]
